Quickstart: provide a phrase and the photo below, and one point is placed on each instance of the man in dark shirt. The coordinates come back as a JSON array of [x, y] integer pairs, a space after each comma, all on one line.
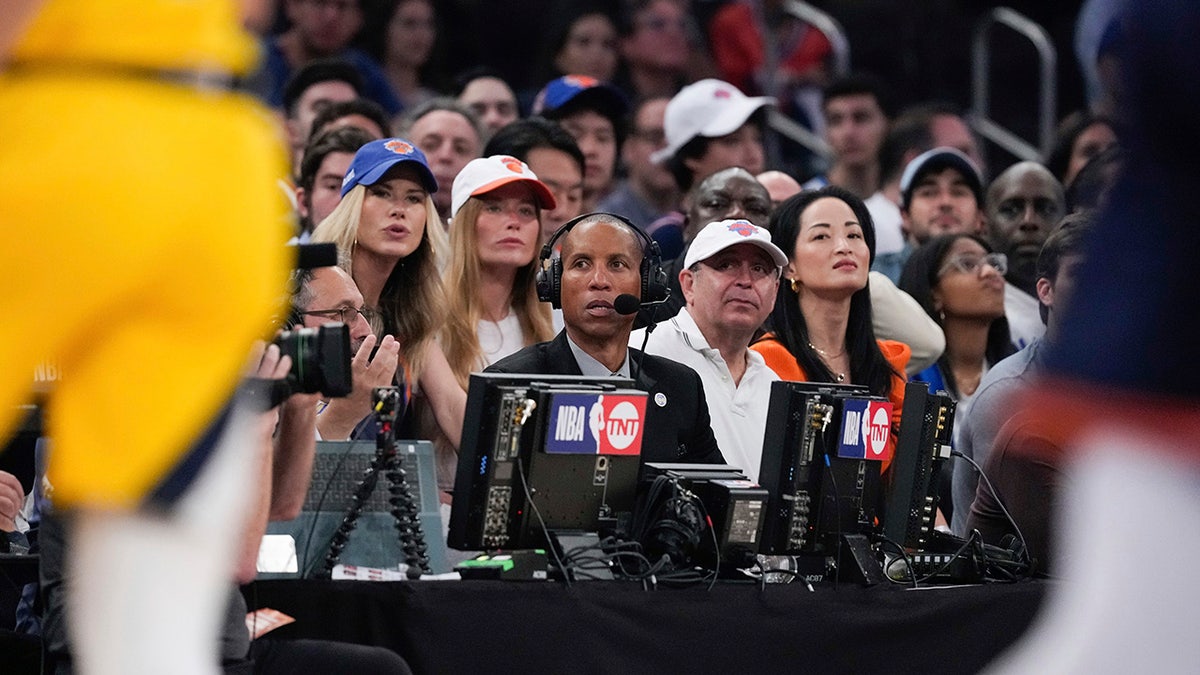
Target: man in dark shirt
[[603, 258]]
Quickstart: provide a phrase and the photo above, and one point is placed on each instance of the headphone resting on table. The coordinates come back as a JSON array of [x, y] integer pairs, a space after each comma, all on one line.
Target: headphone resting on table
[[654, 278]]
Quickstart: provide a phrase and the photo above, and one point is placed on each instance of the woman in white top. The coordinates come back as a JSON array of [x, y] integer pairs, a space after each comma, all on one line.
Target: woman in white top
[[492, 308]]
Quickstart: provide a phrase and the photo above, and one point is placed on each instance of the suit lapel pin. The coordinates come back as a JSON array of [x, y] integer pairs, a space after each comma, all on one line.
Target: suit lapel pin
[[660, 399]]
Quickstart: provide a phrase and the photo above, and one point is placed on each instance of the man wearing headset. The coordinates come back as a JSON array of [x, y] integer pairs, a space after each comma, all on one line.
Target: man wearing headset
[[605, 257]]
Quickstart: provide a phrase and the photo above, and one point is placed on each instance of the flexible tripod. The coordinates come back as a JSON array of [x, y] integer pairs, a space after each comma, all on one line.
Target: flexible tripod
[[404, 508]]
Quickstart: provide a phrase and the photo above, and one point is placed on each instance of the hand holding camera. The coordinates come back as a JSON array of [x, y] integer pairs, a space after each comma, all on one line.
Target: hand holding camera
[[339, 418]]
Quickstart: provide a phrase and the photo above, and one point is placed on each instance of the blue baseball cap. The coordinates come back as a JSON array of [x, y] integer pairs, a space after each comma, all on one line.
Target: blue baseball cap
[[582, 91], [375, 158]]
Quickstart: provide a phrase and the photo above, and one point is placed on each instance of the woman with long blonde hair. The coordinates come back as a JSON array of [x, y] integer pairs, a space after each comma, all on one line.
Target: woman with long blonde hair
[[390, 241], [494, 310]]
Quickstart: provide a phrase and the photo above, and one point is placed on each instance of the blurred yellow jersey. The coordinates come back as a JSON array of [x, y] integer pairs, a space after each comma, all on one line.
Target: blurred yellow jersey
[[142, 237], [161, 34]]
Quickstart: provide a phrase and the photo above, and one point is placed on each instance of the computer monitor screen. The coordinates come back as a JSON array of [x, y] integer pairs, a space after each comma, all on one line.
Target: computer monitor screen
[[911, 486], [821, 463], [544, 453]]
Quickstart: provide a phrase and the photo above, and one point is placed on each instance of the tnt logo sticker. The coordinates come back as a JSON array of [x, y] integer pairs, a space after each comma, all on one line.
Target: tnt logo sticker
[[865, 428], [398, 146], [596, 424]]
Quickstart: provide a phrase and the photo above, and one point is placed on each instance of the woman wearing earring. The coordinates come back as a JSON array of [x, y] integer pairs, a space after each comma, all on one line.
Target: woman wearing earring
[[821, 325], [390, 241]]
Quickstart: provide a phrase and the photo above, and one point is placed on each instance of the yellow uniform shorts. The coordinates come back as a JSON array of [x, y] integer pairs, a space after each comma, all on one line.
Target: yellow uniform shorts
[[141, 252]]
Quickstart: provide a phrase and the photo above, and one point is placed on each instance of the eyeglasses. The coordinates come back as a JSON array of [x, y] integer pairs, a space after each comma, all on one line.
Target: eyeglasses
[[971, 264], [343, 314]]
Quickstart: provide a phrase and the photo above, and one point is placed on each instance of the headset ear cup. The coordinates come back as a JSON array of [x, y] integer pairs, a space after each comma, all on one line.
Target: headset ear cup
[[654, 281], [556, 283], [542, 284]]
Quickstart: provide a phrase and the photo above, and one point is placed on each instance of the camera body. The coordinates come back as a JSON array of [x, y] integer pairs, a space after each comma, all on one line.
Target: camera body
[[320, 359]]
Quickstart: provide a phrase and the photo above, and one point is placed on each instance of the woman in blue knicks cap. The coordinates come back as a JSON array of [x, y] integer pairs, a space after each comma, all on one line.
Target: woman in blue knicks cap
[[391, 241]]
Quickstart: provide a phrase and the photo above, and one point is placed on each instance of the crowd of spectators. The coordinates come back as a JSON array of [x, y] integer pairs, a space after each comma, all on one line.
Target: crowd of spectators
[[900, 255]]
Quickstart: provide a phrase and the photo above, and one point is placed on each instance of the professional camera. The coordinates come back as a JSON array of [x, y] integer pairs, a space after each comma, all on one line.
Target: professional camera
[[320, 359]]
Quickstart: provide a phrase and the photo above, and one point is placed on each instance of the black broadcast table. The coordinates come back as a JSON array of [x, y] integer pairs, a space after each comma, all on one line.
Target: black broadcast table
[[617, 627]]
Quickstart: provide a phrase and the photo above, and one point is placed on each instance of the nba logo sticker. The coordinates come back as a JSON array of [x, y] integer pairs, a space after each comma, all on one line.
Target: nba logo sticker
[[865, 428], [596, 424]]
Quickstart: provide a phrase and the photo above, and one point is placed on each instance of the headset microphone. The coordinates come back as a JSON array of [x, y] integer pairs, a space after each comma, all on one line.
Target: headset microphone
[[626, 304]]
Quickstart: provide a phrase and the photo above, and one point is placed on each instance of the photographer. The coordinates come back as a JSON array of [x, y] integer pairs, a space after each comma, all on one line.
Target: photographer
[[328, 295], [283, 451]]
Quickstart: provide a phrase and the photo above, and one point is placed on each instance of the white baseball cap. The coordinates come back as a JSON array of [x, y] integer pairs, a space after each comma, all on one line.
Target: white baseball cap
[[716, 237], [709, 108], [484, 174]]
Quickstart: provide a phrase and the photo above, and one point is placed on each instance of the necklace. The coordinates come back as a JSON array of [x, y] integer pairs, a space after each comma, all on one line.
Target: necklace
[[826, 356]]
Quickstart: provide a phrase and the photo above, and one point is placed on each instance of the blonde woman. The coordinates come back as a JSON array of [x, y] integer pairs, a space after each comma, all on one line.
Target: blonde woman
[[494, 309], [390, 241], [492, 306]]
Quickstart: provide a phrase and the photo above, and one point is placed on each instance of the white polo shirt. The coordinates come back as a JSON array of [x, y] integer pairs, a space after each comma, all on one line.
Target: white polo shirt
[[739, 413]]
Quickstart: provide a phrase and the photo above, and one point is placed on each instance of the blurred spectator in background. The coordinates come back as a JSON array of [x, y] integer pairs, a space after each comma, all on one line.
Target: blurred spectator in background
[[450, 136], [588, 46], [593, 112], [554, 157], [313, 88], [648, 191], [403, 40], [486, 93], [320, 29], [654, 44], [1081, 136]]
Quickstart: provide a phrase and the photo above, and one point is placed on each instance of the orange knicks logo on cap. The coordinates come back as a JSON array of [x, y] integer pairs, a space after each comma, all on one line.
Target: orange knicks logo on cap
[[512, 164], [399, 147], [742, 227], [581, 81]]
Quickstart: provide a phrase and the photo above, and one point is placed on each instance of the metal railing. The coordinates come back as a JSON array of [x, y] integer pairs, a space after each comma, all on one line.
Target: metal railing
[[981, 60], [832, 30]]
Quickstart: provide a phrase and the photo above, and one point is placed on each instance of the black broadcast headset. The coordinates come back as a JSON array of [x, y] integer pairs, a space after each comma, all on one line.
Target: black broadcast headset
[[654, 278]]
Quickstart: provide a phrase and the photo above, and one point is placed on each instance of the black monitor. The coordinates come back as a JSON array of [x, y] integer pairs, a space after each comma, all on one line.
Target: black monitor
[[544, 453], [911, 486], [821, 463]]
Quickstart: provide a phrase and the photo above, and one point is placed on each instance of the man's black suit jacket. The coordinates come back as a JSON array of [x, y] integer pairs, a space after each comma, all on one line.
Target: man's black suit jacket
[[679, 430]]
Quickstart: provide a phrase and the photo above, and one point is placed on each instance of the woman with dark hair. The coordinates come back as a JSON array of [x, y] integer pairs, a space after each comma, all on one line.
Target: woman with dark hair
[[1081, 136], [588, 45], [959, 281], [821, 326], [400, 35]]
